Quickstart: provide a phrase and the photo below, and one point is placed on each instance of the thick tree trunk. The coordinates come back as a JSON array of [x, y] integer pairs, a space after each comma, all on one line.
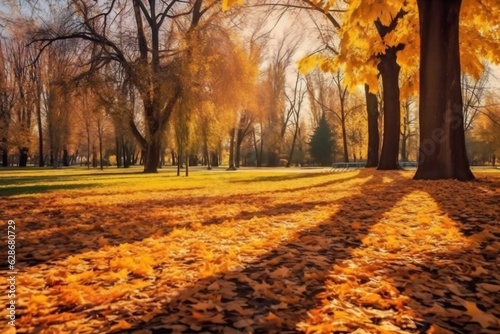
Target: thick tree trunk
[[65, 161], [215, 159], [152, 157], [128, 155], [23, 156], [442, 153], [389, 69], [373, 135]]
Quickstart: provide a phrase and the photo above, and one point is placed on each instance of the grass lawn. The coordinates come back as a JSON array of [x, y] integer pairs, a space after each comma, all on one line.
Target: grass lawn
[[117, 251]]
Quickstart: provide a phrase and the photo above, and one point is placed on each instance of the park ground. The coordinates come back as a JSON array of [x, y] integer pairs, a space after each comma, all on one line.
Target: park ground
[[118, 251]]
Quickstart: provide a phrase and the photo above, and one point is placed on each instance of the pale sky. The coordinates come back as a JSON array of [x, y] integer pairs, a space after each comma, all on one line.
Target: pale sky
[[495, 76]]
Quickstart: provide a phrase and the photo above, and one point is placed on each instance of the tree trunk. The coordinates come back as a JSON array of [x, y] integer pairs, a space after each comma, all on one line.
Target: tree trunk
[[215, 159], [88, 145], [65, 161], [206, 153], [258, 158], [94, 157], [290, 156], [373, 135], [237, 149], [179, 163], [41, 162], [100, 153], [404, 140], [118, 143], [174, 160], [152, 157], [127, 155], [442, 153], [344, 139], [5, 156], [231, 152], [23, 156], [389, 69]]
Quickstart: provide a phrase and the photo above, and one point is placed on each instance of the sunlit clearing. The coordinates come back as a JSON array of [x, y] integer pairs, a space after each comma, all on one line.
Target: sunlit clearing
[[383, 278]]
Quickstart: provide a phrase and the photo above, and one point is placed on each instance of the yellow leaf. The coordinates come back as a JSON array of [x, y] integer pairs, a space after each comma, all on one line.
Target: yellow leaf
[[227, 4], [37, 301]]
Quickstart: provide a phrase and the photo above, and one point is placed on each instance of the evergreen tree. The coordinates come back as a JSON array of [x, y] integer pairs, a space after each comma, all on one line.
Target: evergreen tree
[[321, 144]]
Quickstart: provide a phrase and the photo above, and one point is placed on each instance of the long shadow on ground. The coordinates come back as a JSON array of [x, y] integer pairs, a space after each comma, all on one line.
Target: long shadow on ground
[[274, 293]]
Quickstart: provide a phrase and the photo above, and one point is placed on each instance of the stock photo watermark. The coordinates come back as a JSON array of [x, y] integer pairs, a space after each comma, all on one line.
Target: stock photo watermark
[[11, 273], [453, 119]]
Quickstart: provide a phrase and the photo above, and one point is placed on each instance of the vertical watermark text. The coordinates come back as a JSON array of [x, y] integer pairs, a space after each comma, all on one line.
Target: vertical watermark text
[[11, 273]]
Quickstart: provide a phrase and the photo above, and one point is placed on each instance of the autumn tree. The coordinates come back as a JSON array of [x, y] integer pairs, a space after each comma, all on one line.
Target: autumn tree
[[362, 65], [295, 105], [408, 127], [21, 124], [483, 141], [150, 55], [473, 94], [6, 103], [442, 139], [275, 112]]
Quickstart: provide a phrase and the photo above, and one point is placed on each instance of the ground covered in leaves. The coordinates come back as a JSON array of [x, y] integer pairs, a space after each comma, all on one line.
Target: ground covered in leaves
[[357, 252]]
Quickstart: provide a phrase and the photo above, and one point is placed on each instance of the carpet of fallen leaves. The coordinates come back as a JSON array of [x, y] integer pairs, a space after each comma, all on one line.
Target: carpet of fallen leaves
[[356, 252]]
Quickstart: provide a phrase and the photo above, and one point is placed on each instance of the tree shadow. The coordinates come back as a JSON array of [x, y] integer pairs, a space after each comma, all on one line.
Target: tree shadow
[[43, 188], [286, 177], [319, 185], [275, 292], [69, 230], [9, 180]]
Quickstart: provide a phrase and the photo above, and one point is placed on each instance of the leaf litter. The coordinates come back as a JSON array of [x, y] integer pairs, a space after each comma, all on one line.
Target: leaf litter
[[358, 252]]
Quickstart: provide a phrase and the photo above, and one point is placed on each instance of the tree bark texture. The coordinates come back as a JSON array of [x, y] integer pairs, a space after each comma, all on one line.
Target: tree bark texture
[[442, 153], [373, 134]]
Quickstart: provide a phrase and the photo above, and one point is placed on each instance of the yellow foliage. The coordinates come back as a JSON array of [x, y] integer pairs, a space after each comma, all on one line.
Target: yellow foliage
[[227, 4]]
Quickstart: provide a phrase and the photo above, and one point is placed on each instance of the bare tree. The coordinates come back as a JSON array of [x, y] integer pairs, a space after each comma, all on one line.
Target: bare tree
[[473, 94], [295, 103], [149, 54], [6, 104]]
